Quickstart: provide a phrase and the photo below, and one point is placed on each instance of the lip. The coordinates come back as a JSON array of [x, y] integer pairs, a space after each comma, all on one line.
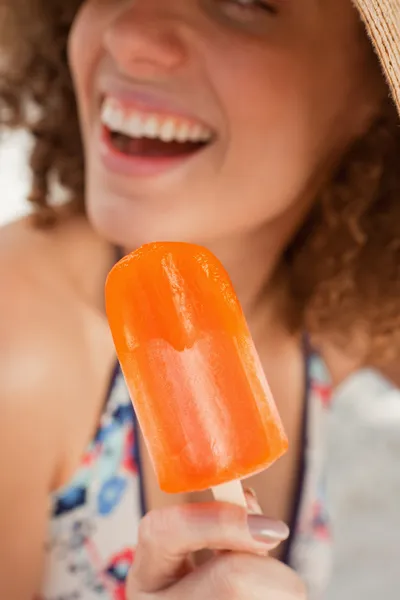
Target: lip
[[137, 166], [145, 101]]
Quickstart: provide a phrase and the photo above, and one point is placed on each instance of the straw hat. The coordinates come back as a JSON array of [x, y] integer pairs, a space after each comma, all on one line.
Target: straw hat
[[382, 18]]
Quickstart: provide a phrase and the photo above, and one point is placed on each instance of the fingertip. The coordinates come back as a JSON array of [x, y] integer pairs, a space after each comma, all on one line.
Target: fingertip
[[267, 530], [252, 502]]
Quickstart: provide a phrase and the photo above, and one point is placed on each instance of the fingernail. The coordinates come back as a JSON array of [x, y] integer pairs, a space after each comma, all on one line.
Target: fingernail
[[250, 492], [252, 502], [266, 530]]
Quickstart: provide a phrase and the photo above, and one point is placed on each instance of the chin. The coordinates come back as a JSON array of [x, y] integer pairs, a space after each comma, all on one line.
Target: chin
[[128, 224]]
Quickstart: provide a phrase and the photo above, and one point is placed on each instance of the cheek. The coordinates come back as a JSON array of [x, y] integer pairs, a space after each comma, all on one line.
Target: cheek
[[271, 120], [84, 51], [263, 89], [290, 113], [280, 131]]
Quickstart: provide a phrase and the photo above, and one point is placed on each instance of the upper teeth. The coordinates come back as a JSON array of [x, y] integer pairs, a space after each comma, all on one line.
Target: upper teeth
[[136, 124]]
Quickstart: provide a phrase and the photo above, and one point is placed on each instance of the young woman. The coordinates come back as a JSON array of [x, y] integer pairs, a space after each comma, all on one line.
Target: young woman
[[262, 129]]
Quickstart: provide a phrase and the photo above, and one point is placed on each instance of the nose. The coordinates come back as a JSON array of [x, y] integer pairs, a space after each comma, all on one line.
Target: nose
[[145, 41]]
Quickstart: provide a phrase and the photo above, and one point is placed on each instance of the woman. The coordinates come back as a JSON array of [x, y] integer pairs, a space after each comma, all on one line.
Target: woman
[[261, 129]]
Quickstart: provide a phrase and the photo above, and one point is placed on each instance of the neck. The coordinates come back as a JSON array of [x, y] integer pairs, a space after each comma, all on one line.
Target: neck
[[251, 261]]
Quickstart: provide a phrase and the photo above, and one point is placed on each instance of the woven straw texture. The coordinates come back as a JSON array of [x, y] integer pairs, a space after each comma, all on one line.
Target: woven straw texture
[[382, 18]]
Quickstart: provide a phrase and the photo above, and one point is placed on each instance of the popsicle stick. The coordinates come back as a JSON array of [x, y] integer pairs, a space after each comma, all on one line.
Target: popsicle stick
[[231, 492]]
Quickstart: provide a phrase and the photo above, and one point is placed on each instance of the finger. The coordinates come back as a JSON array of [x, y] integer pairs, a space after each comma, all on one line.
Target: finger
[[240, 576], [253, 508], [168, 536], [252, 502]]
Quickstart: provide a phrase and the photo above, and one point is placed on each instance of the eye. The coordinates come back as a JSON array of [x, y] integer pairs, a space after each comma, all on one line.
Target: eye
[[252, 6]]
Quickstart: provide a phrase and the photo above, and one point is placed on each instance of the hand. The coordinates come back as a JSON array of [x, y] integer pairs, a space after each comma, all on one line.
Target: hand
[[164, 569]]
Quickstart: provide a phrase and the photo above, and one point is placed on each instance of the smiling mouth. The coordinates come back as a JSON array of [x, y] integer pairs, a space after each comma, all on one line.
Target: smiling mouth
[[151, 135]]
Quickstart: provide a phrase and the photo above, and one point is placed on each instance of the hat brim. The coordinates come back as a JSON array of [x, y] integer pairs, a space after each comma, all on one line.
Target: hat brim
[[382, 19]]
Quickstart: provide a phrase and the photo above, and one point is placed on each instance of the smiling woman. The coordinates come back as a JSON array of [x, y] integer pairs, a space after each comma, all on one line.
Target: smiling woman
[[264, 131], [278, 100]]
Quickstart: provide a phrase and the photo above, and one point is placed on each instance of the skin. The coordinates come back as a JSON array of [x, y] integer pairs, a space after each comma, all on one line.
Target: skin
[[53, 326], [200, 54]]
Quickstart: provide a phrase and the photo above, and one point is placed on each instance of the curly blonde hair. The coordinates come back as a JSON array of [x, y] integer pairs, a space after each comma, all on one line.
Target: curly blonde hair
[[342, 267]]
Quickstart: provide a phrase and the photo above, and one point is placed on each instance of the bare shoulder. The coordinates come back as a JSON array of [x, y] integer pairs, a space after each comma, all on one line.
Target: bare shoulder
[[30, 420], [25, 301], [32, 302], [31, 319], [53, 349], [45, 332]]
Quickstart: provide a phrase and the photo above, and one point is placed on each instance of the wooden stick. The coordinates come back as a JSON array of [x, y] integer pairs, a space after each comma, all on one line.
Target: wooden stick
[[231, 492]]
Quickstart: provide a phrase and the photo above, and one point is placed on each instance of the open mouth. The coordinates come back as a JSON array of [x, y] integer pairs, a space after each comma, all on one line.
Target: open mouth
[[152, 136]]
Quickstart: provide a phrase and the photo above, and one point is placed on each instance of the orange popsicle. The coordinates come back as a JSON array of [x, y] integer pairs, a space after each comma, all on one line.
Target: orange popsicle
[[194, 376]]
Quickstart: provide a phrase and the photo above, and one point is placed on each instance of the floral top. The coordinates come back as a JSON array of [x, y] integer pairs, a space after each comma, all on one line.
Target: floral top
[[95, 518]]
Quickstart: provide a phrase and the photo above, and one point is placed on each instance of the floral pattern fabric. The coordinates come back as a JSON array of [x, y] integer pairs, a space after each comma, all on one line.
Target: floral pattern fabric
[[92, 536], [95, 518]]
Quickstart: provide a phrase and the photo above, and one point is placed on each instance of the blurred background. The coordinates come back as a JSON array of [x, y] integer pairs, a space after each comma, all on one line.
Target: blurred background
[[14, 176]]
